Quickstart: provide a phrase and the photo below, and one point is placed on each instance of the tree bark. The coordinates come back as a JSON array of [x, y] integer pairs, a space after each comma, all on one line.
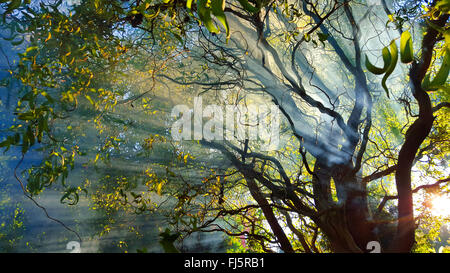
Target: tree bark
[[270, 216], [414, 137]]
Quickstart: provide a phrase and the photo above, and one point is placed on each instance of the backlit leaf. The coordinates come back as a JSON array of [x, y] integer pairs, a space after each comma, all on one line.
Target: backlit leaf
[[406, 48], [387, 62], [204, 13], [217, 10], [394, 55]]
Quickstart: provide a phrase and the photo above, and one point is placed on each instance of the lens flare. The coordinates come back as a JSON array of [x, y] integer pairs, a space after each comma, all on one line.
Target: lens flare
[[440, 206]]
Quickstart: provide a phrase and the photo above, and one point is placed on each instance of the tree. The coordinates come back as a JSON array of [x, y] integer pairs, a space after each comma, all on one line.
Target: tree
[[343, 139]]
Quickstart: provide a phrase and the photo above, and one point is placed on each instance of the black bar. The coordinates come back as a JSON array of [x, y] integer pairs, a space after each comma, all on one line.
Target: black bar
[[229, 262]]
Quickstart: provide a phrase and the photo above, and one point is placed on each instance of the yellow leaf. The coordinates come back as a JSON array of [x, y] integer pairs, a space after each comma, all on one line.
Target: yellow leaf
[[158, 188], [48, 37]]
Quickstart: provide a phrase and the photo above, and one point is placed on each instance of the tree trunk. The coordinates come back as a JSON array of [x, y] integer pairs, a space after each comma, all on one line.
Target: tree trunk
[[414, 137], [346, 224], [353, 195]]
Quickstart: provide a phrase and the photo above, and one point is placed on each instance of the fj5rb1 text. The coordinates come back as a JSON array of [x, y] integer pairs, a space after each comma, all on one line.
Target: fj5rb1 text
[[245, 262]]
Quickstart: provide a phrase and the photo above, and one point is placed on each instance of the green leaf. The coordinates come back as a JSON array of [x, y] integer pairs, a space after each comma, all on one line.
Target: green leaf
[[30, 136], [323, 37], [25, 116], [443, 5], [446, 34], [217, 7], [387, 58], [406, 48], [394, 55], [40, 133], [25, 143], [33, 186], [67, 195], [441, 76], [204, 13], [5, 143], [246, 5], [426, 82]]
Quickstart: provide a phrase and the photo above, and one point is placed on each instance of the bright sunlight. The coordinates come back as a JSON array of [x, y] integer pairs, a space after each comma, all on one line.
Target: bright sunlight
[[440, 205]]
